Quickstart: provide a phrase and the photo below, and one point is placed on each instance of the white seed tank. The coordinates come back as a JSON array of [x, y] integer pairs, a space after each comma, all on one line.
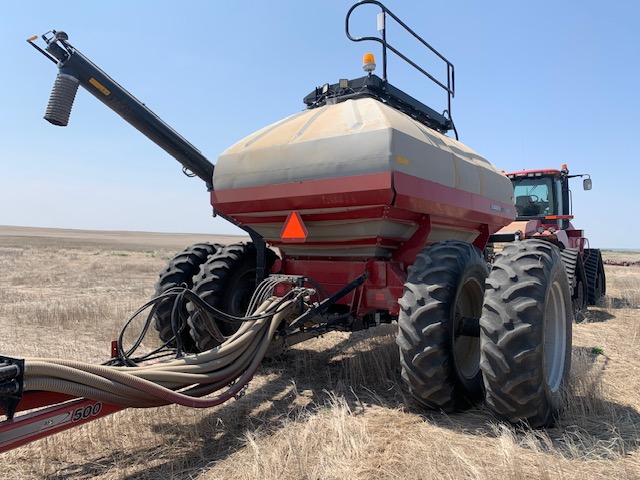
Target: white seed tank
[[364, 178]]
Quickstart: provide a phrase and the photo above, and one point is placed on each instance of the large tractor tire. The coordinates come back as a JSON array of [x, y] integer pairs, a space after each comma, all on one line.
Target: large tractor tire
[[438, 341], [596, 280], [525, 333], [179, 272], [227, 282]]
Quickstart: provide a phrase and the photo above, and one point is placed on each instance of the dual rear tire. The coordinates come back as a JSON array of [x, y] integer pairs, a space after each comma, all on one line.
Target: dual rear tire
[[510, 342], [526, 334], [223, 276], [441, 364], [226, 282], [179, 272]]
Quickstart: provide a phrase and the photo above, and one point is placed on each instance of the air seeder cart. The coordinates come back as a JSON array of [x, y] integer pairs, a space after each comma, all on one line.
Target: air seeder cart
[[361, 211]]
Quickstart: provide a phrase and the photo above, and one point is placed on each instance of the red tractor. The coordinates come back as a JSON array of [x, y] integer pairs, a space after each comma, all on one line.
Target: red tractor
[[543, 205]]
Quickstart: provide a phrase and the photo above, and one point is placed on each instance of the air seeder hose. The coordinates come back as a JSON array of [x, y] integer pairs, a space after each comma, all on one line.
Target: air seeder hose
[[182, 380]]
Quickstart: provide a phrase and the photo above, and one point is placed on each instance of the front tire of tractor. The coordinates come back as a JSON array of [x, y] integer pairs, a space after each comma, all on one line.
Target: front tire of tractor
[[525, 334], [226, 282], [444, 288], [179, 272]]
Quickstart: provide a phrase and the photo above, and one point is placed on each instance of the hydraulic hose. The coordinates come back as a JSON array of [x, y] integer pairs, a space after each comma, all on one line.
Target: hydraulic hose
[[181, 381]]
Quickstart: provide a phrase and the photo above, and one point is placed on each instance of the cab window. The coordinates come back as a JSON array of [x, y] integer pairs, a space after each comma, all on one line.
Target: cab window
[[534, 196]]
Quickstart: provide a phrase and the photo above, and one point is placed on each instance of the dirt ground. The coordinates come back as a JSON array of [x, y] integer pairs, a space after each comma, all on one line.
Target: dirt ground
[[330, 408]]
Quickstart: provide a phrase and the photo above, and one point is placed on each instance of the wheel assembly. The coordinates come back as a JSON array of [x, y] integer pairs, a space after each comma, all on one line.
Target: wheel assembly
[[596, 279], [226, 281], [577, 278], [438, 329], [580, 292], [179, 272], [525, 335]]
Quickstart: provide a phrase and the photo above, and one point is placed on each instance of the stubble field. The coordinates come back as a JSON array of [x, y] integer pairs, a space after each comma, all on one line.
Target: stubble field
[[330, 408]]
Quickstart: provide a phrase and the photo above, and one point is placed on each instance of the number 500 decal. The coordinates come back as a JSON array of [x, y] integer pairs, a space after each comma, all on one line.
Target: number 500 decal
[[82, 413]]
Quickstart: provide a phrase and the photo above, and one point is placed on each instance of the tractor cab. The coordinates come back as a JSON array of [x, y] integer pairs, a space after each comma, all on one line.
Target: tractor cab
[[544, 194], [543, 208]]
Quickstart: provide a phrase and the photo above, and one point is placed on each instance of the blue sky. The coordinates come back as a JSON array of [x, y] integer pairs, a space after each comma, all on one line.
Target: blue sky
[[538, 84]]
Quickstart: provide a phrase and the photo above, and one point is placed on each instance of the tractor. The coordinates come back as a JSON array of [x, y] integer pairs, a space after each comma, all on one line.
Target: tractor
[[543, 204], [360, 211]]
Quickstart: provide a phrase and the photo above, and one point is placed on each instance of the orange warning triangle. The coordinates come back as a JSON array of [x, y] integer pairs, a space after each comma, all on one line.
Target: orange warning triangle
[[294, 229]]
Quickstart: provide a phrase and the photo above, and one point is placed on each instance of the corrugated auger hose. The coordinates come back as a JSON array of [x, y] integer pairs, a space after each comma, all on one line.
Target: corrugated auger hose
[[224, 370], [61, 99]]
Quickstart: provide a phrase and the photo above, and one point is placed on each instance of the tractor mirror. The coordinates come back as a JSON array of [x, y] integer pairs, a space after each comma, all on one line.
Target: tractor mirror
[[586, 184]]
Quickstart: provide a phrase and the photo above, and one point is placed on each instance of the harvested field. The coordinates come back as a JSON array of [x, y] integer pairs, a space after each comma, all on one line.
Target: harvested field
[[330, 408]]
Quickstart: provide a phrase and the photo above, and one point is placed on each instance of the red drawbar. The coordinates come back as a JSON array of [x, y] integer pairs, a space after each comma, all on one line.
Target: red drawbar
[[26, 428]]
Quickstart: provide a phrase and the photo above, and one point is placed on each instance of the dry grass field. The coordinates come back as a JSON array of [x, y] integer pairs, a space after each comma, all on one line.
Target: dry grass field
[[330, 408]]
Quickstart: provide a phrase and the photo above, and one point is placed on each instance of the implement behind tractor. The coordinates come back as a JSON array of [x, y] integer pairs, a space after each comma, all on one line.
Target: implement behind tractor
[[361, 211]]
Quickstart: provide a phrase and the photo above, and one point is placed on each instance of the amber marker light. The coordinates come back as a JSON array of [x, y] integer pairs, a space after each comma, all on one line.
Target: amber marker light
[[368, 63], [558, 217]]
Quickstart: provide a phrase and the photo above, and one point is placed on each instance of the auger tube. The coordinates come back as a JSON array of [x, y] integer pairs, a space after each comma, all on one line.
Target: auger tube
[[77, 70]]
